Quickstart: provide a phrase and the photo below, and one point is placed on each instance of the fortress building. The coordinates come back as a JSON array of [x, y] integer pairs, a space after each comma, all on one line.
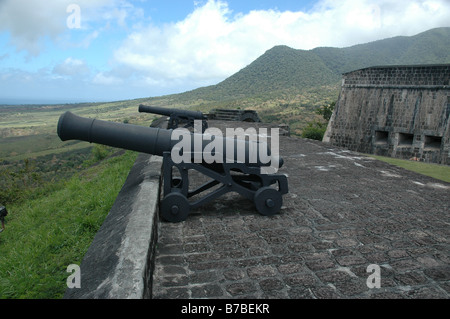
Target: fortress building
[[397, 111]]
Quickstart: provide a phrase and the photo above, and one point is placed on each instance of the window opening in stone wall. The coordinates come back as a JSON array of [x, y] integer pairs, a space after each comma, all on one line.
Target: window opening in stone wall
[[381, 137], [433, 142], [405, 139]]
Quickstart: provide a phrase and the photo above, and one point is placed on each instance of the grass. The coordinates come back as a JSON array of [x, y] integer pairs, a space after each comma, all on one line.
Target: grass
[[440, 172], [32, 146], [51, 227], [46, 234], [32, 133]]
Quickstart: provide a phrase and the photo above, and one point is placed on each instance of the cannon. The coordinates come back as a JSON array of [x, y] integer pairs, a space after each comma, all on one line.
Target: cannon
[[176, 116], [239, 170]]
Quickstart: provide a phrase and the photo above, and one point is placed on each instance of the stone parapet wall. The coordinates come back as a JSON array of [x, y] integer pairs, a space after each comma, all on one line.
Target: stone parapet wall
[[432, 75], [119, 262]]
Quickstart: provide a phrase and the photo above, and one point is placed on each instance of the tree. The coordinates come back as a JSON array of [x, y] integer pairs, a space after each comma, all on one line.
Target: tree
[[326, 111], [316, 129]]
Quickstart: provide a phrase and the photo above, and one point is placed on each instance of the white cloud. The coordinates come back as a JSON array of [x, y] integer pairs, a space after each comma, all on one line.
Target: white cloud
[[71, 67], [212, 43], [104, 79], [349, 22], [30, 23]]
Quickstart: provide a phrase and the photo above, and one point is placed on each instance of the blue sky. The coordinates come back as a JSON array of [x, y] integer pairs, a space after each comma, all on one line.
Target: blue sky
[[107, 50]]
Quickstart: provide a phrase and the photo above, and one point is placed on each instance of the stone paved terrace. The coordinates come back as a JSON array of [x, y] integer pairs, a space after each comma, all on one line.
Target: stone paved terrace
[[343, 213]]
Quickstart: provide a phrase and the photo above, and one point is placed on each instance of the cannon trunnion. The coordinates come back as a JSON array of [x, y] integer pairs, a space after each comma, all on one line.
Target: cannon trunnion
[[233, 174]]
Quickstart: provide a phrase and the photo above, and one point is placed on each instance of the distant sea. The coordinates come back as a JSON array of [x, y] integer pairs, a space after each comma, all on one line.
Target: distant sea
[[13, 101]]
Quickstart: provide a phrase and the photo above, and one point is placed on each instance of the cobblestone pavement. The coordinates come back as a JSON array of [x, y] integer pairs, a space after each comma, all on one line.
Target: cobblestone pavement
[[344, 212]]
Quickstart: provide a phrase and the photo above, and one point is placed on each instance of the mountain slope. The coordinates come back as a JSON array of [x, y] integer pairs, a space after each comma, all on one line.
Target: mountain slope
[[430, 47], [288, 85], [283, 69], [280, 68]]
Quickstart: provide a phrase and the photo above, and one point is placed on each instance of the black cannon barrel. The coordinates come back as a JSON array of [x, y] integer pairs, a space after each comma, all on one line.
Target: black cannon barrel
[[150, 140], [169, 112], [155, 141]]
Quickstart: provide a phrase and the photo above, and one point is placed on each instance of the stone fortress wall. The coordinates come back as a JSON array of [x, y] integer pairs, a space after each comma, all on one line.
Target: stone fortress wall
[[397, 111]]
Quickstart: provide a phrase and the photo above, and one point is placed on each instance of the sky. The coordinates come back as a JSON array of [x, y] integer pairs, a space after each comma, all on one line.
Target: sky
[[55, 51]]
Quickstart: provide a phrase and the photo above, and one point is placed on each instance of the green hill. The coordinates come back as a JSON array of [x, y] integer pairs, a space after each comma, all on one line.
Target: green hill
[[280, 68], [286, 84], [286, 70], [430, 47]]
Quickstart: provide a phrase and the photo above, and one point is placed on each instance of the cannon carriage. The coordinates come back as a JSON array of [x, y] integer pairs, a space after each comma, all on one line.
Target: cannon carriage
[[240, 170]]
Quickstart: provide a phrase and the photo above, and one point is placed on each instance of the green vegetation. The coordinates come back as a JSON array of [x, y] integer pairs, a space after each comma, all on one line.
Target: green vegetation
[[288, 85], [430, 47], [53, 228], [316, 129], [440, 172], [57, 193], [19, 177]]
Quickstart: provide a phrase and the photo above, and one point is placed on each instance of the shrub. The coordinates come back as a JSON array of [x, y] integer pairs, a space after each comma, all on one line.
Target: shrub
[[314, 130], [99, 152]]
